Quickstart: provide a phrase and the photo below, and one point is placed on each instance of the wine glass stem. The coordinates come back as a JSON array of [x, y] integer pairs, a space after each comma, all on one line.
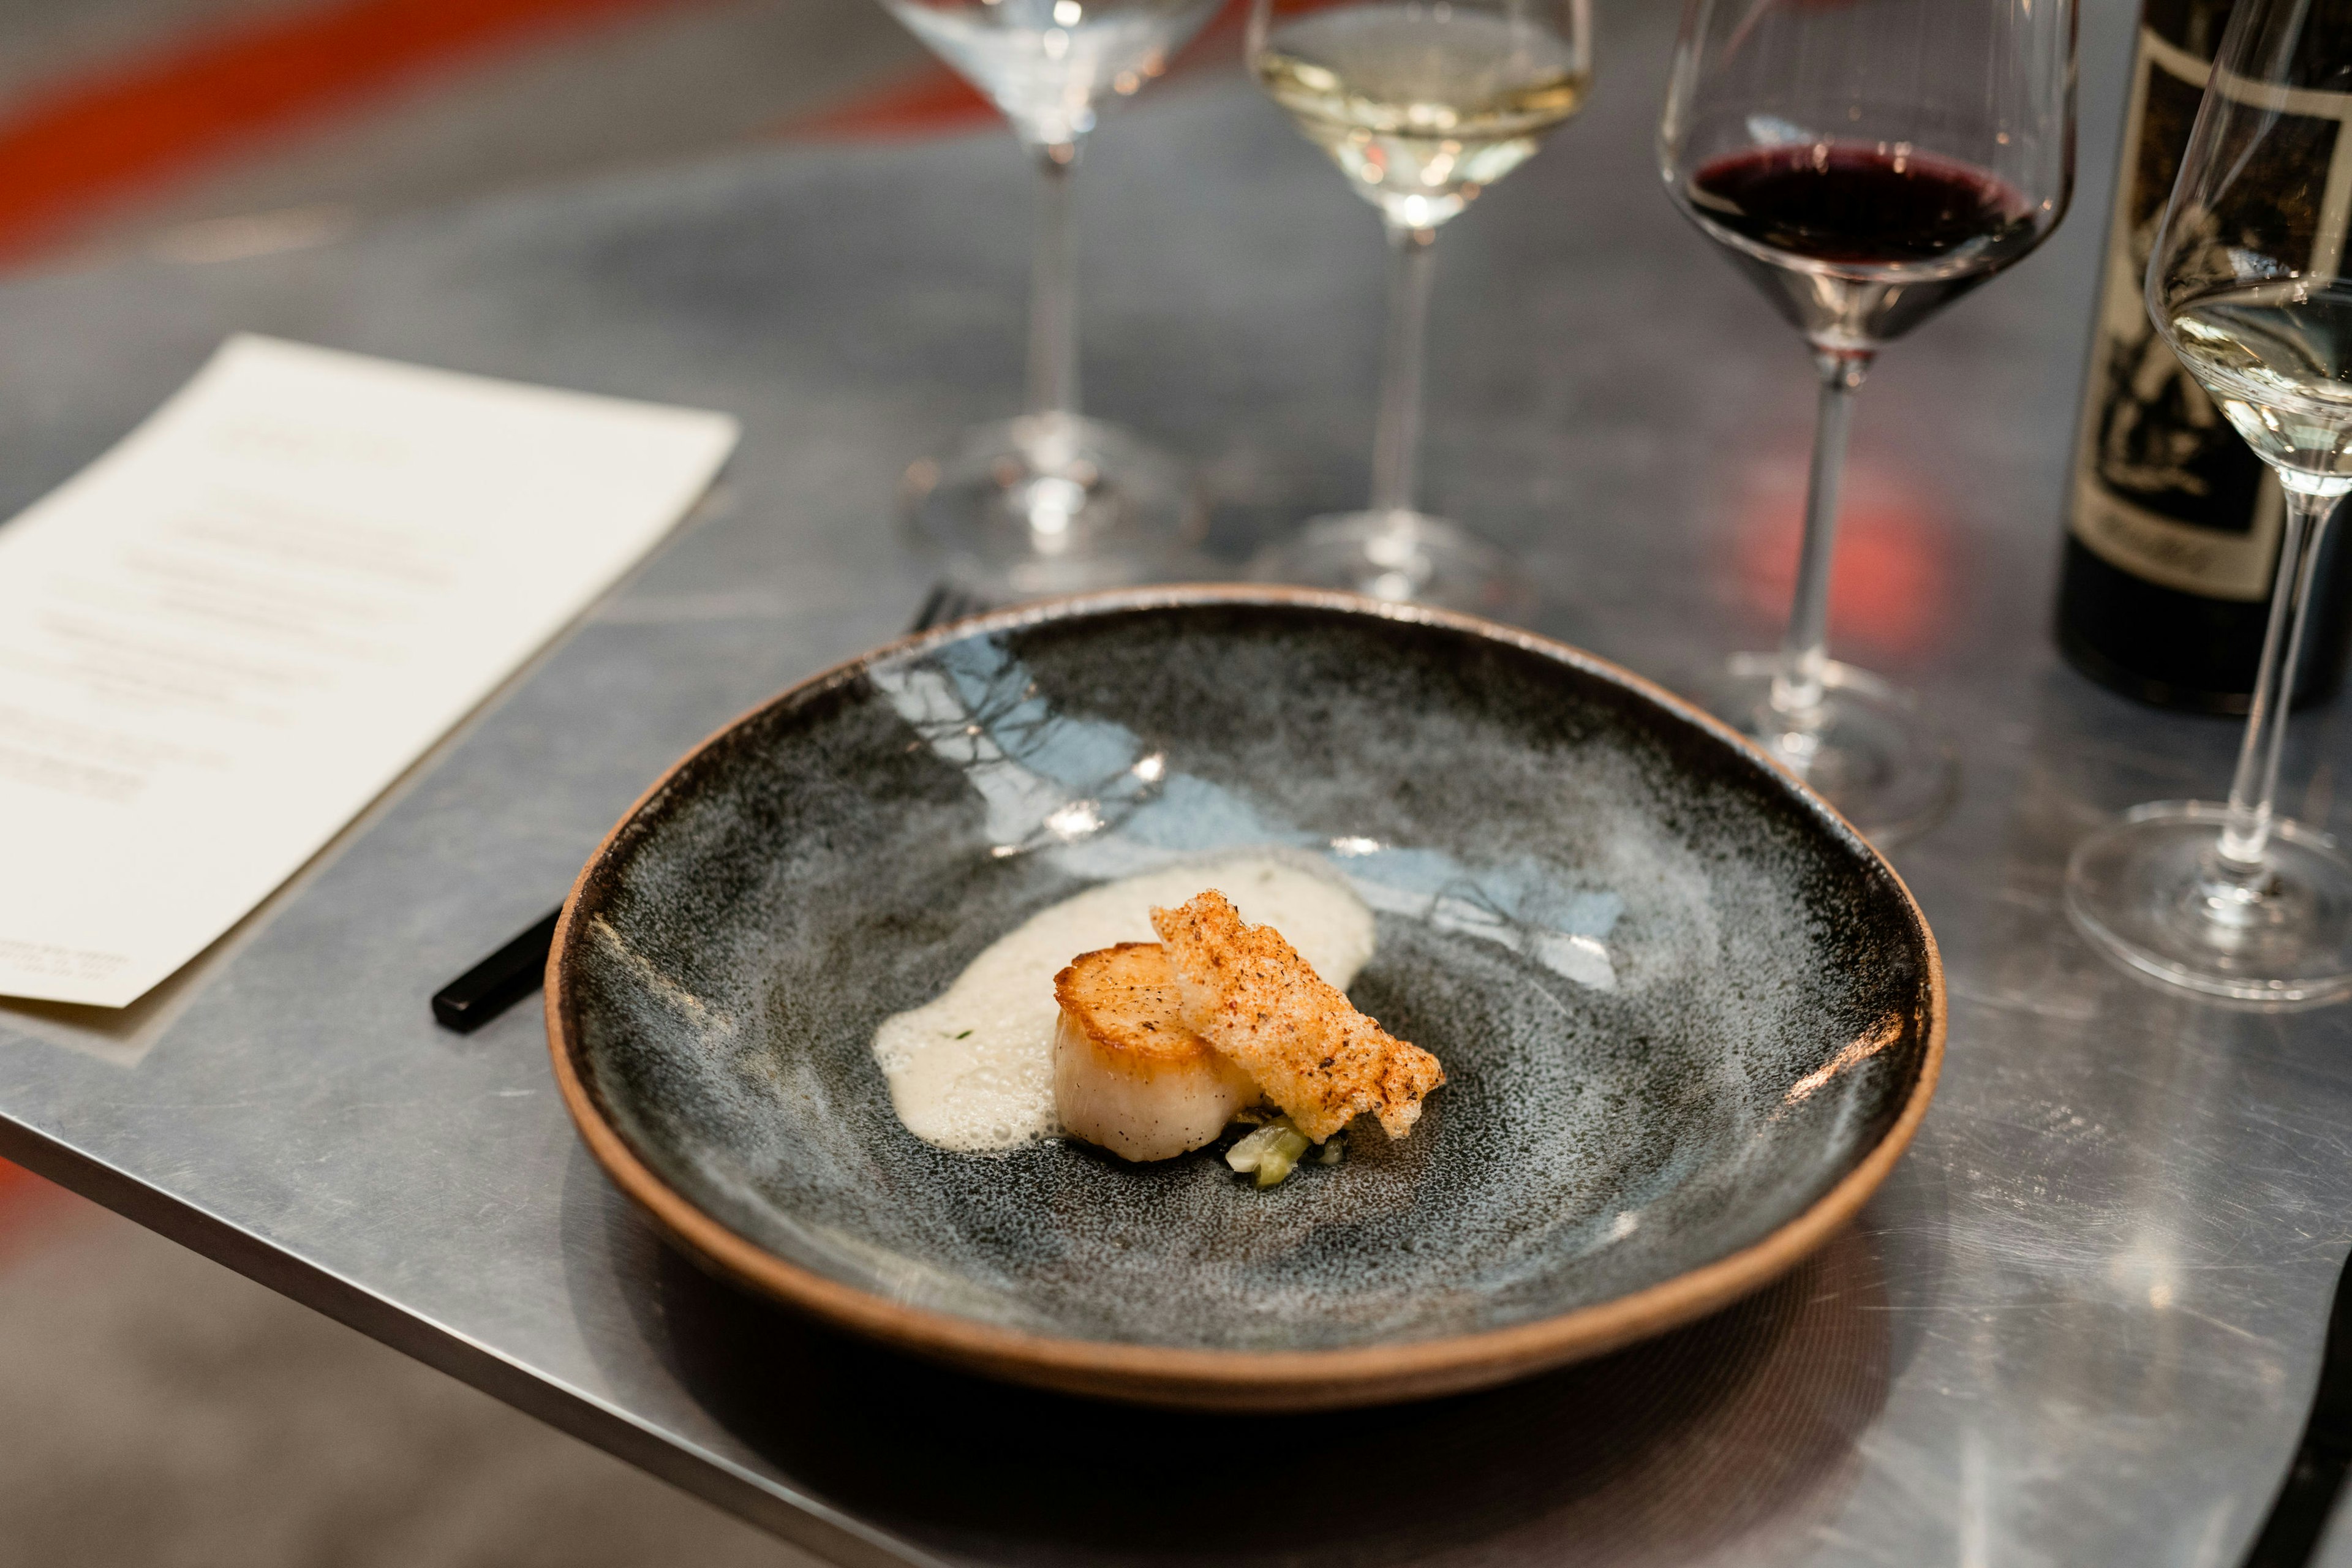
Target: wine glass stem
[[1805, 647], [1396, 439], [1053, 289], [2254, 790]]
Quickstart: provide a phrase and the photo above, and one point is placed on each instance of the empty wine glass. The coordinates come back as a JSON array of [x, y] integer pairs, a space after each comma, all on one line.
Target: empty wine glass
[[1865, 162], [1422, 104], [2246, 283], [1052, 501]]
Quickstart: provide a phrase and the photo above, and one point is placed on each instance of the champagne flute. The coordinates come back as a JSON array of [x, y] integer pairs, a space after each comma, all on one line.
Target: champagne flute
[[1865, 164], [1422, 104], [2246, 283], [1052, 501]]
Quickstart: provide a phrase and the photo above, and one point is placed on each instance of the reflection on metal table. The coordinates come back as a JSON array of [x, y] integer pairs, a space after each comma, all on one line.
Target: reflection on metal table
[[2080, 1324]]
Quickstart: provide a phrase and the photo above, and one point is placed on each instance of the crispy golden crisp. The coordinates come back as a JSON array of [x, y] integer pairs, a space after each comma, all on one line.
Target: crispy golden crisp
[[1248, 992]]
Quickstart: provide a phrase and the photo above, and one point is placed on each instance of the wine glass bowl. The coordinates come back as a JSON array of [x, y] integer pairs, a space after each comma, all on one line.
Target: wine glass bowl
[[2276, 355], [1863, 165], [1052, 501], [1421, 104], [2243, 284], [1856, 244], [1046, 64]]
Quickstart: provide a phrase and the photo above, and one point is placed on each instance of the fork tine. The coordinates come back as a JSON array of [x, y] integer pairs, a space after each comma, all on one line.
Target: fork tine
[[948, 603], [933, 604]]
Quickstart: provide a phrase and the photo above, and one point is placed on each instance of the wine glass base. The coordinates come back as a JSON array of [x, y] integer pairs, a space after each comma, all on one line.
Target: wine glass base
[[1402, 556], [2149, 891], [1053, 503], [1408, 558], [1887, 769]]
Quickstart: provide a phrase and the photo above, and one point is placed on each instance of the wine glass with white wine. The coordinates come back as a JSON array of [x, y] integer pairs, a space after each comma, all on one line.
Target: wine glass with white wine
[[1422, 104], [1052, 501], [2245, 282]]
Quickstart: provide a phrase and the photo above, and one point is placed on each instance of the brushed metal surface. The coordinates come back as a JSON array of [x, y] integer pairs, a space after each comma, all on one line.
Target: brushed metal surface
[[2080, 1324]]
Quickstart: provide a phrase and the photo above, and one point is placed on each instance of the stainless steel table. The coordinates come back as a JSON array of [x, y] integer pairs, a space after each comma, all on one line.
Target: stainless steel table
[[2079, 1326]]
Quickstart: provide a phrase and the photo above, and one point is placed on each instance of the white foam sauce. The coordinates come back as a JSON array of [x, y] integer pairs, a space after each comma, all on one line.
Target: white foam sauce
[[973, 1070]]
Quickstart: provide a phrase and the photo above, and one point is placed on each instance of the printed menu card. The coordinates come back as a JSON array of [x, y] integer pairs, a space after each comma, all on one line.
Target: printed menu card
[[224, 638]]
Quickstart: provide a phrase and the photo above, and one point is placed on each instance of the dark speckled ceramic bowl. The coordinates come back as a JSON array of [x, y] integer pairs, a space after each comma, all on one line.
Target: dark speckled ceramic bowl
[[1690, 1018]]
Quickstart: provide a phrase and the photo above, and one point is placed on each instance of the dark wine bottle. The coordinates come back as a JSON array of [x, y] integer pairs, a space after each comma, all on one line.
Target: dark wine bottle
[[2173, 523]]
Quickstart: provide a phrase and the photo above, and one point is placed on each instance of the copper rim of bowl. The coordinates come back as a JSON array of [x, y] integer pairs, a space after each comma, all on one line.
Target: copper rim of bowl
[[1245, 1380]]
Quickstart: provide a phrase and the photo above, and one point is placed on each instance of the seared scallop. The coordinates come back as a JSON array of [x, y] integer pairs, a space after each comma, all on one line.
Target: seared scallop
[[1127, 1073]]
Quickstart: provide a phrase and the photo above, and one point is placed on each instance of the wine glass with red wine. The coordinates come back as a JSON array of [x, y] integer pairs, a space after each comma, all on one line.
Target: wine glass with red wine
[[1865, 163]]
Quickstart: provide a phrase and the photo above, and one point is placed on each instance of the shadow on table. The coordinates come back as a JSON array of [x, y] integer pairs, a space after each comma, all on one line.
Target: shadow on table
[[1727, 1441]]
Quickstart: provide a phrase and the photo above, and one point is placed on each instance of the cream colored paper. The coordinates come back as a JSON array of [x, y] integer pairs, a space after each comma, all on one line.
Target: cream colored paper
[[226, 636]]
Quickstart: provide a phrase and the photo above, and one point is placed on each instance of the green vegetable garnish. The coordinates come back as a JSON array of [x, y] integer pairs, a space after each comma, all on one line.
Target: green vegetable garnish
[[1271, 1152]]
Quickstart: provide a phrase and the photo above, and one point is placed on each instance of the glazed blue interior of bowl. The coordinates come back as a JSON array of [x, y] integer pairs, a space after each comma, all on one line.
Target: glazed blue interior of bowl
[[1676, 1000]]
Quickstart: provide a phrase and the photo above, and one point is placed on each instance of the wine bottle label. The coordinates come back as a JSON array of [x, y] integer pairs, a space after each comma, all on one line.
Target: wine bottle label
[[2163, 488]]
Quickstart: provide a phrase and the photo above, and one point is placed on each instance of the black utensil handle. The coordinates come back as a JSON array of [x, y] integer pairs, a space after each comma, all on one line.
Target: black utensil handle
[[500, 980], [2307, 1498], [2299, 1517]]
